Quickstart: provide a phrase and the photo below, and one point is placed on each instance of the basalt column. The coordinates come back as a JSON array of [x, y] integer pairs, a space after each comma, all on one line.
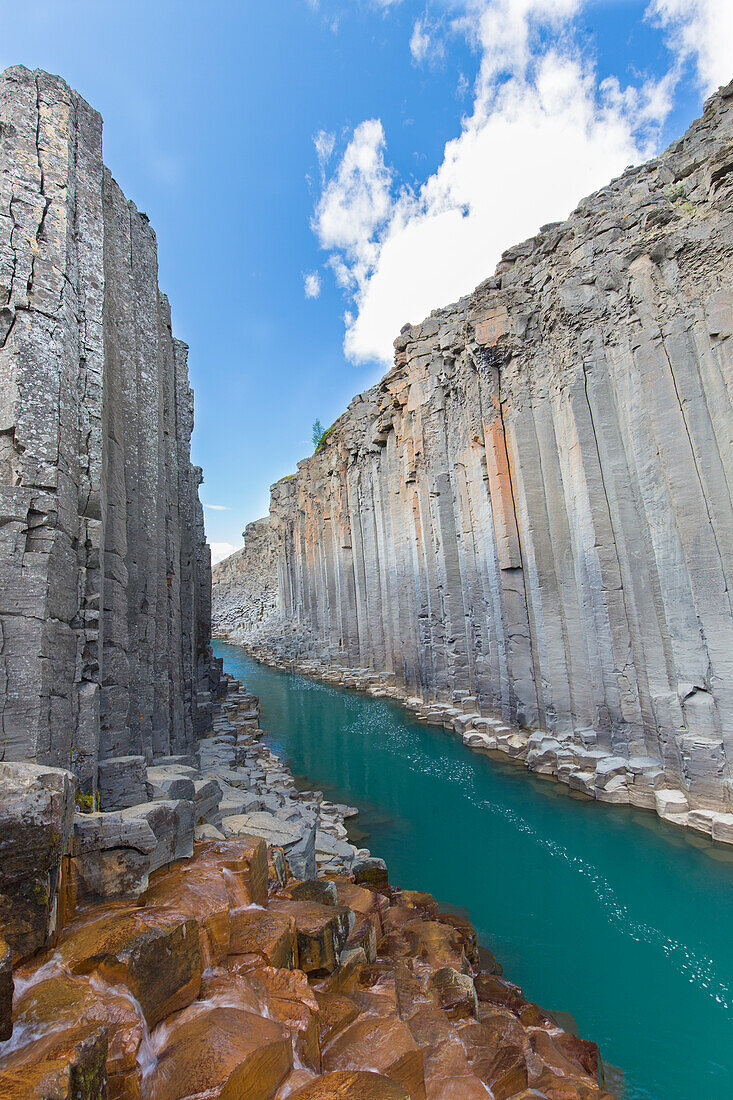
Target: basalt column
[[533, 508], [104, 570]]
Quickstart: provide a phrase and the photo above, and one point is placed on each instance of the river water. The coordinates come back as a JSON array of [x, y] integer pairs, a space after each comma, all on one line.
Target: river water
[[604, 912]]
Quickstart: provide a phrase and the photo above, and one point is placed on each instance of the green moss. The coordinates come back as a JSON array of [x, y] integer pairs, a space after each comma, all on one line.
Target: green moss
[[86, 803], [675, 191]]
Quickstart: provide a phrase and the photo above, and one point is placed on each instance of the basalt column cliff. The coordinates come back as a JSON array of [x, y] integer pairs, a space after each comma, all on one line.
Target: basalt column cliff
[[530, 516], [104, 569]]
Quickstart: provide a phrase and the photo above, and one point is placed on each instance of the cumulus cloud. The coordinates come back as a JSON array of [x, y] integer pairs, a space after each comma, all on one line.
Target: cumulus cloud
[[700, 31], [542, 133], [312, 284], [356, 203], [221, 550]]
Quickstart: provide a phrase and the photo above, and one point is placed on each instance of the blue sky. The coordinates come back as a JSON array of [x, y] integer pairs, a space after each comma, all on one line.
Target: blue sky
[[383, 150]]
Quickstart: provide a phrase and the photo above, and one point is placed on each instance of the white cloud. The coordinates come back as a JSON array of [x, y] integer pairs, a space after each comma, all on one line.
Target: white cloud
[[355, 204], [217, 507], [221, 550], [324, 142], [542, 134], [425, 45], [700, 31], [312, 284]]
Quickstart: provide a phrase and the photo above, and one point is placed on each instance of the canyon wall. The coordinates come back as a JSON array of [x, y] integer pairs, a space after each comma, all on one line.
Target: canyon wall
[[533, 507], [104, 568], [245, 586]]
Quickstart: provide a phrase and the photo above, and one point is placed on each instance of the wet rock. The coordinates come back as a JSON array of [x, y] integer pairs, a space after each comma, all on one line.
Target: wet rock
[[455, 993], [58, 1003], [384, 1045], [200, 893], [220, 1052], [66, 1066], [268, 937], [36, 808], [322, 931], [152, 952], [245, 860], [348, 1085], [6, 991]]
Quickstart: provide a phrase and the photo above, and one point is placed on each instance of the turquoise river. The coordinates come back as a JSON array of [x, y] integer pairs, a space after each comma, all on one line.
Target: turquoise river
[[603, 912]]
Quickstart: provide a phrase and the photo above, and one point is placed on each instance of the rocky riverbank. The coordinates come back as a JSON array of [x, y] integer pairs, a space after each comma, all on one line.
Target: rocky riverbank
[[584, 767], [272, 961]]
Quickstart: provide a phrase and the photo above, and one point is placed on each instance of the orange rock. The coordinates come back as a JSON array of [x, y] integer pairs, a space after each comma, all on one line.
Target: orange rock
[[245, 857], [467, 935], [429, 1026], [498, 991], [435, 943], [382, 1044], [364, 935], [532, 1015], [582, 1052], [199, 892], [298, 1079], [454, 992], [336, 1011], [546, 1048], [220, 1053], [359, 1085], [417, 899], [268, 935], [65, 1066], [457, 1088], [152, 952], [290, 1000], [322, 931], [58, 1003], [557, 1087]]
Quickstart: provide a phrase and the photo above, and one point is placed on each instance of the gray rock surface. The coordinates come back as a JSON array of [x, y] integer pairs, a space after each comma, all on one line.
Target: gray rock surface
[[244, 593], [531, 514], [104, 569]]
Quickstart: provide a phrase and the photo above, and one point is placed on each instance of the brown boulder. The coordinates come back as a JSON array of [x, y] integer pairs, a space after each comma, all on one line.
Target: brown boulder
[[497, 991], [354, 1085], [269, 936], [322, 931], [198, 892], [220, 1053], [384, 1044], [336, 1012], [65, 1066], [152, 952], [289, 999], [245, 858], [455, 993], [57, 1004]]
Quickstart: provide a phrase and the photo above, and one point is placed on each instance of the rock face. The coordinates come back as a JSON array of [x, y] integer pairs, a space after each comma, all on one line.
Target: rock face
[[530, 515], [245, 585], [104, 569]]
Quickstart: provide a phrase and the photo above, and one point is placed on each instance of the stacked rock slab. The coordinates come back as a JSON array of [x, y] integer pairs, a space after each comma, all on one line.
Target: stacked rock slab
[[530, 516], [244, 596], [104, 570]]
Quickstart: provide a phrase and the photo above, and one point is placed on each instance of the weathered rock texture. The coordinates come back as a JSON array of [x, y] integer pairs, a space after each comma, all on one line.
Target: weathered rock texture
[[245, 585], [531, 513], [104, 570]]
